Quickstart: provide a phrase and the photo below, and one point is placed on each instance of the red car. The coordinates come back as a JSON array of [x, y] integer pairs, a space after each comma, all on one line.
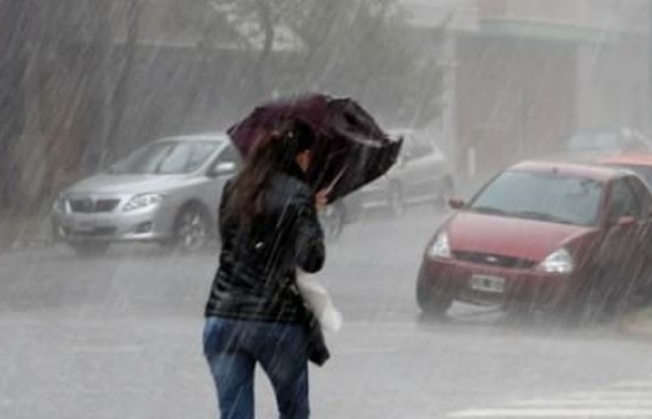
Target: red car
[[552, 236]]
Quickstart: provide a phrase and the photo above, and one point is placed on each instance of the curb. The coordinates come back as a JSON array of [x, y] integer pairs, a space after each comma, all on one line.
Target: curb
[[638, 323]]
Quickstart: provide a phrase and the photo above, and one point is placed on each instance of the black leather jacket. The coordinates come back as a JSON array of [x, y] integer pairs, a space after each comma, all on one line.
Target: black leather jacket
[[256, 278]]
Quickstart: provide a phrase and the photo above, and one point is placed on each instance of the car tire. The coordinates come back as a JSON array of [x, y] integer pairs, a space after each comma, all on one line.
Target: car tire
[[89, 248], [430, 302], [332, 219], [191, 230], [395, 199]]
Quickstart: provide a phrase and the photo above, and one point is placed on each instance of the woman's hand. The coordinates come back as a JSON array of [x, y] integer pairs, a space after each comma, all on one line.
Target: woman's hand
[[321, 199]]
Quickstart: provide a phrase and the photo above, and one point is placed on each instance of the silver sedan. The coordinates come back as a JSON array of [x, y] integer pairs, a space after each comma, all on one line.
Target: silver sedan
[[166, 192]]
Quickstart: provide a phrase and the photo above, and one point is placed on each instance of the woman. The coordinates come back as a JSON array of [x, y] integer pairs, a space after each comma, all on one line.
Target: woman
[[269, 229]]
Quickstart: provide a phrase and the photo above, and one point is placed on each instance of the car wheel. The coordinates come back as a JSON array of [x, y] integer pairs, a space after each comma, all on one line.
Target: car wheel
[[89, 249], [332, 219], [447, 191], [431, 302], [395, 200], [191, 231]]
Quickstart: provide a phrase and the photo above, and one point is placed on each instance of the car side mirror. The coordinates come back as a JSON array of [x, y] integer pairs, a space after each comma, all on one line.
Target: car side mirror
[[456, 203], [223, 169]]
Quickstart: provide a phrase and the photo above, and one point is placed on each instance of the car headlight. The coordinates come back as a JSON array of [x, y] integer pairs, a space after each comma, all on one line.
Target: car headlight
[[143, 201], [559, 262], [440, 248]]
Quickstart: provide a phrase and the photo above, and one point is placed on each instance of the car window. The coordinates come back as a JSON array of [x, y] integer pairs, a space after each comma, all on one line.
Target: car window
[[228, 155], [184, 159], [542, 196], [623, 201], [168, 157]]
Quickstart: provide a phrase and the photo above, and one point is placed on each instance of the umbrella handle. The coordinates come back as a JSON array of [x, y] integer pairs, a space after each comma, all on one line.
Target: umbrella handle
[[334, 182]]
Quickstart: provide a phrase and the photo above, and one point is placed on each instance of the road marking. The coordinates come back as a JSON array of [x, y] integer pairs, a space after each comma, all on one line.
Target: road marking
[[626, 399], [554, 413], [594, 403]]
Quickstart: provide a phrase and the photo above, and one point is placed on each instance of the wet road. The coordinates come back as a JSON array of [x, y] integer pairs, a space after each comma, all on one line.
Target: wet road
[[118, 337]]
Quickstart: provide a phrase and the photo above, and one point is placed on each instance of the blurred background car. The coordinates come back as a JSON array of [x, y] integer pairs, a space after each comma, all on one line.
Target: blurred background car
[[166, 192], [601, 142], [333, 218], [422, 175], [559, 237], [336, 216]]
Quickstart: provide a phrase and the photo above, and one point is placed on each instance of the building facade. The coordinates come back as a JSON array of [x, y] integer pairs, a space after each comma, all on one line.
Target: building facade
[[526, 74]]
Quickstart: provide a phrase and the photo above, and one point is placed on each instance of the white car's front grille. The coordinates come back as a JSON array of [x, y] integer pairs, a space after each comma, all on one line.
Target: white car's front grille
[[89, 205]]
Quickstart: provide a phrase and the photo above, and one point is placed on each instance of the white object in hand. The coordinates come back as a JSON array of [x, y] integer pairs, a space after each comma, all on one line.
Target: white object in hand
[[319, 301]]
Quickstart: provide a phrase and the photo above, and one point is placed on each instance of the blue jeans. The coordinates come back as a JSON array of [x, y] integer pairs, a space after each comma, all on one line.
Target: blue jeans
[[232, 348]]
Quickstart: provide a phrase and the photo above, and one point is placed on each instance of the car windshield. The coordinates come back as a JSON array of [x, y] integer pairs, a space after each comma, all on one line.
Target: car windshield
[[167, 157], [542, 196], [602, 141]]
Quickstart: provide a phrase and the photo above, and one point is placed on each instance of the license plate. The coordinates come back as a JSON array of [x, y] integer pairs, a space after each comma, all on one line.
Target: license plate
[[87, 225], [84, 225], [487, 283]]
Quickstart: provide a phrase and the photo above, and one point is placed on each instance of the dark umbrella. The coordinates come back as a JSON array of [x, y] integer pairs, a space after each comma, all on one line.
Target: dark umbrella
[[351, 149]]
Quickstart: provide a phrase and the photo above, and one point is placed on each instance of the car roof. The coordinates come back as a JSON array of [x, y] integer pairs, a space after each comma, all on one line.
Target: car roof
[[631, 159], [601, 173]]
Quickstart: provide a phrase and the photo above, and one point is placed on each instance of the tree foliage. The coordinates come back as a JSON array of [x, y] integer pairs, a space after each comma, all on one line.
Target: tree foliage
[[362, 48]]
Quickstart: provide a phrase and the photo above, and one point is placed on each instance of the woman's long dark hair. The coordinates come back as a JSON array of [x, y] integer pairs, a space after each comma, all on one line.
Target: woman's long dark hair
[[274, 152]]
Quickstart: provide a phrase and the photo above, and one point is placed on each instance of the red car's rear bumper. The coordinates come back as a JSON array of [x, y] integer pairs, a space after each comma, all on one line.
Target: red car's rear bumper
[[529, 287]]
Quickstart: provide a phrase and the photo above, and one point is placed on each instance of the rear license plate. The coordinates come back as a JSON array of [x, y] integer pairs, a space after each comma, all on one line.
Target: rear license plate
[[487, 283]]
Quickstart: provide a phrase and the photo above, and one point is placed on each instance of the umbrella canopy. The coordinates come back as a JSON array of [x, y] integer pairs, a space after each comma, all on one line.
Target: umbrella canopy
[[351, 150]]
